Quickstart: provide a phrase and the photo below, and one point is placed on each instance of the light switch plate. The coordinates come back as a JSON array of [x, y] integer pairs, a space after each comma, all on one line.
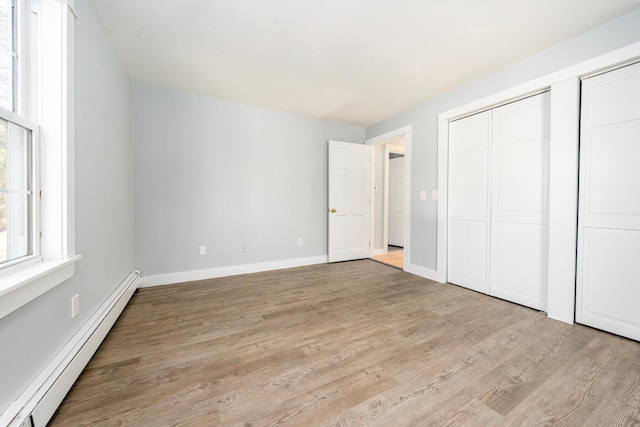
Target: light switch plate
[[434, 195], [423, 194]]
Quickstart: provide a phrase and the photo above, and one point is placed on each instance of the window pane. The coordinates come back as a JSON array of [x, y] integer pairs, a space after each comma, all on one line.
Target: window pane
[[15, 192], [7, 57]]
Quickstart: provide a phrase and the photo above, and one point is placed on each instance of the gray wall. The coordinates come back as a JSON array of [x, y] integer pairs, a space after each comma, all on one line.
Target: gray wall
[[218, 173], [32, 335], [423, 118]]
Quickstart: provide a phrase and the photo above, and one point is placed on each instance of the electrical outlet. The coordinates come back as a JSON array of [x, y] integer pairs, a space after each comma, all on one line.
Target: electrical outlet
[[245, 247], [203, 250], [75, 306], [300, 242]]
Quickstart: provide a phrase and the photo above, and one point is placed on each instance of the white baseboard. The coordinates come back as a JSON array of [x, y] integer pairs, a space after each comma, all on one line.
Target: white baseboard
[[212, 273], [378, 252], [41, 399], [427, 273]]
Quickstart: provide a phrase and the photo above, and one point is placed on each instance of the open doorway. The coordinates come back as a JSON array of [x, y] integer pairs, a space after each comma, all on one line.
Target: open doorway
[[388, 201]]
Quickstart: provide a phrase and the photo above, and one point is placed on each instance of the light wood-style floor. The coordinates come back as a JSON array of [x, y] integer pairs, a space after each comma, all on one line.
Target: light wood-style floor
[[355, 343], [394, 257]]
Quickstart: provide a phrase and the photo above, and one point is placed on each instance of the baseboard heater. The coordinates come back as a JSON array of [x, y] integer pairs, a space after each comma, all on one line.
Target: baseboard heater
[[37, 404]]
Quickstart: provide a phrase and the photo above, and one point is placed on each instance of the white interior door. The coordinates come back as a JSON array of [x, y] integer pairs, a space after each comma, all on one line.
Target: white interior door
[[396, 201], [608, 274], [468, 222], [349, 198], [519, 201]]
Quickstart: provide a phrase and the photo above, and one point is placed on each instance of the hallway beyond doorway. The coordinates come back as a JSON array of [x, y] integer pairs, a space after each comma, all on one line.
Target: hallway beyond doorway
[[394, 257]]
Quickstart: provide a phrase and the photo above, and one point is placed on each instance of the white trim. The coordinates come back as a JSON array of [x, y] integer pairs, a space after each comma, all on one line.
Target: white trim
[[563, 199], [558, 309], [443, 201], [70, 6], [427, 273], [57, 130], [25, 283], [381, 139], [372, 201], [45, 393], [234, 270], [387, 136]]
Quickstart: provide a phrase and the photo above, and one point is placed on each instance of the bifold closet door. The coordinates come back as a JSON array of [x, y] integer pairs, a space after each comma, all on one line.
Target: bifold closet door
[[519, 201], [498, 209], [608, 274], [468, 222]]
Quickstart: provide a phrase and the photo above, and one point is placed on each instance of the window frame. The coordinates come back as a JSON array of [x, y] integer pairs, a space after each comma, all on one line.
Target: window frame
[[24, 100], [35, 213], [50, 24]]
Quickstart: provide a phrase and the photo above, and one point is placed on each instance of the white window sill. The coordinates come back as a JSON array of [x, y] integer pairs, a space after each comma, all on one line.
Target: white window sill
[[19, 286]]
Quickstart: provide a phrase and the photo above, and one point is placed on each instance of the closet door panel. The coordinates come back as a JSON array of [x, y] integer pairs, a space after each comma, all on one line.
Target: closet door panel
[[468, 202], [612, 164], [519, 269], [519, 207], [468, 254], [520, 181], [612, 97], [608, 277], [610, 280], [469, 182]]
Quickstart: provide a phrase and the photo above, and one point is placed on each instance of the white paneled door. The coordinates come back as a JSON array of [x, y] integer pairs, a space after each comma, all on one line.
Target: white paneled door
[[498, 201], [396, 201], [519, 201], [608, 274], [349, 195], [468, 246]]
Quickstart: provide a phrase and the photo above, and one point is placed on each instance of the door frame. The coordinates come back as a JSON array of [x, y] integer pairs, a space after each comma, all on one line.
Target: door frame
[[405, 131], [563, 170], [388, 149]]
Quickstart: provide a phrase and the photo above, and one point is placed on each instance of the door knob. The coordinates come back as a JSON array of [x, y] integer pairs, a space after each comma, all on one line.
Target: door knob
[[332, 210]]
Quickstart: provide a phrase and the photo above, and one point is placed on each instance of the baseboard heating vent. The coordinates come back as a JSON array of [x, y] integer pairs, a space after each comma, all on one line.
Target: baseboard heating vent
[[38, 403]]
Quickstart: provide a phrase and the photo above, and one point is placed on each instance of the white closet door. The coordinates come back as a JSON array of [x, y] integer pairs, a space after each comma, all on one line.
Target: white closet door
[[519, 201], [468, 222], [608, 274]]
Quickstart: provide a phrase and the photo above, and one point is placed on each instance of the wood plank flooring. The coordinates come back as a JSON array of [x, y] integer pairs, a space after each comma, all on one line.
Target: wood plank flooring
[[349, 344]]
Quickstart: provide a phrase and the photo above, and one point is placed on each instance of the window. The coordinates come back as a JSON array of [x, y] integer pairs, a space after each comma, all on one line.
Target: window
[[7, 54], [37, 244], [18, 215], [16, 207]]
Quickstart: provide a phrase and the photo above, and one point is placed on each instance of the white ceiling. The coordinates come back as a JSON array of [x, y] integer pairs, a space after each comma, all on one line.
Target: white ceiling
[[353, 61]]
